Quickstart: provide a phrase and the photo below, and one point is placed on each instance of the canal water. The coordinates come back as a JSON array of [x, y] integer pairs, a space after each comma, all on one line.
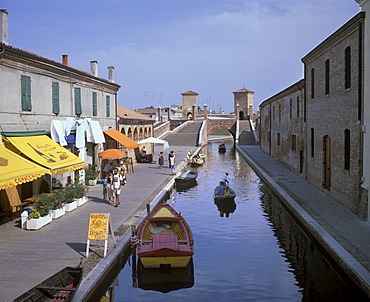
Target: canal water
[[252, 250]]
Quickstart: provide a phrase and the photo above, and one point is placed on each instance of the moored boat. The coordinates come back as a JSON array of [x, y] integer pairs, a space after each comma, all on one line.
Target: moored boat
[[222, 148], [165, 239], [196, 162], [186, 179], [59, 287]]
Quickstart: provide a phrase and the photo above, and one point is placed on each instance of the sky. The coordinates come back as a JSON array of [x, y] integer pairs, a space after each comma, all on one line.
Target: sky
[[161, 48]]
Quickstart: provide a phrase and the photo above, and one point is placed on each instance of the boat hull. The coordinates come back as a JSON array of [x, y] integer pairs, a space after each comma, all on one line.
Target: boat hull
[[165, 239]]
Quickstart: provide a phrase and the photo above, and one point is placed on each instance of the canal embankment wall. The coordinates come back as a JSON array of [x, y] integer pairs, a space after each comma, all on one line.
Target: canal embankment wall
[[338, 231]]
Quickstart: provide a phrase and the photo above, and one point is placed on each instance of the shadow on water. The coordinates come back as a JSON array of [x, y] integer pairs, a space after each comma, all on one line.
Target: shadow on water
[[259, 253]]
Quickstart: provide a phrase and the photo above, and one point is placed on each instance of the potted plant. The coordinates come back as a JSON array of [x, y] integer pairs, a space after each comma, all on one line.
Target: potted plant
[[40, 212], [91, 174], [69, 198], [57, 201], [80, 191]]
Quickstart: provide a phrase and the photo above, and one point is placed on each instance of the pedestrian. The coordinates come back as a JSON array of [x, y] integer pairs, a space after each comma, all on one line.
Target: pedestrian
[[116, 186], [105, 187], [108, 167], [160, 160], [109, 187], [122, 168], [172, 160], [226, 179]]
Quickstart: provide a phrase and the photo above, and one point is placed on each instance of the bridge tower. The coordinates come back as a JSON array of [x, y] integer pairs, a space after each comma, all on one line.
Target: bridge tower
[[189, 99], [244, 98]]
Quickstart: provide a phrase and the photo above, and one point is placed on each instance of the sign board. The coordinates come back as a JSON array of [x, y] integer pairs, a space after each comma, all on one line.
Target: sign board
[[98, 226]]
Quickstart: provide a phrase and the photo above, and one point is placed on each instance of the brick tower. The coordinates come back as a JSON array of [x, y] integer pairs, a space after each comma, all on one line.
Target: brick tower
[[189, 98], [244, 98]]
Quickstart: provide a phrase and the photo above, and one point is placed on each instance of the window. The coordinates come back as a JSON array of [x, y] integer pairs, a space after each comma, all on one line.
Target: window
[[107, 105], [55, 97], [347, 149], [26, 93], [298, 106], [294, 142], [78, 108], [312, 83], [279, 113], [312, 142], [347, 68], [95, 103], [278, 139], [290, 108], [327, 77]]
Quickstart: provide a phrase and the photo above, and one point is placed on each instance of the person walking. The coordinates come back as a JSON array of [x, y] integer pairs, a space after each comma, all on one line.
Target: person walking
[[109, 187], [105, 187], [116, 186], [160, 160], [172, 159]]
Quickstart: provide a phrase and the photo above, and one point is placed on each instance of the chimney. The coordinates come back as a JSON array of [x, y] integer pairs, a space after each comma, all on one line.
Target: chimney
[[94, 68], [65, 60], [111, 74], [4, 26]]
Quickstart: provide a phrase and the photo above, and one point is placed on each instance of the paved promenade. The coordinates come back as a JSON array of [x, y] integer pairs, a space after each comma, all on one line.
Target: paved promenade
[[29, 257], [339, 231]]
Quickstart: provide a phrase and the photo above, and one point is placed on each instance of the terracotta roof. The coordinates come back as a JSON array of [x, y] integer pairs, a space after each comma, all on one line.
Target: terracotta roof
[[243, 90], [128, 114], [148, 110], [189, 92]]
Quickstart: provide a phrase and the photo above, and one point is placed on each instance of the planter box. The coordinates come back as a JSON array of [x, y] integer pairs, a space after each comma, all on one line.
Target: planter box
[[58, 212], [70, 206], [81, 201], [35, 224], [92, 182]]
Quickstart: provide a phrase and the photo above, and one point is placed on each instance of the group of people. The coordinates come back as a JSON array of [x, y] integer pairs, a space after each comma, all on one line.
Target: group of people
[[171, 161], [223, 189], [113, 181]]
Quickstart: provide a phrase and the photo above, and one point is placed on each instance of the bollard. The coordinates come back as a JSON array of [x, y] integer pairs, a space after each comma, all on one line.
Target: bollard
[[24, 217]]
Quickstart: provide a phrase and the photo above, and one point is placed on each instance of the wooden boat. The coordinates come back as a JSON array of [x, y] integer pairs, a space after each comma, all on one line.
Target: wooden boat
[[228, 195], [59, 287], [165, 239], [186, 180], [165, 281], [222, 148], [196, 162]]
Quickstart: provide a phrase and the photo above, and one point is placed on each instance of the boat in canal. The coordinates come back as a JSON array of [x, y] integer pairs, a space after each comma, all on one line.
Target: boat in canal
[[222, 148], [186, 179], [165, 239], [59, 287], [196, 162], [226, 194]]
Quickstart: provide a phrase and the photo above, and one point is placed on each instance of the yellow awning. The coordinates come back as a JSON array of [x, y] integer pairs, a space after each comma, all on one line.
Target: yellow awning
[[15, 169], [46, 152], [122, 139]]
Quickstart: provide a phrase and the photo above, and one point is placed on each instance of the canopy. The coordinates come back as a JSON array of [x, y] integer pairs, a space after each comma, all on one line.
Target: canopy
[[154, 140], [46, 152], [15, 169], [122, 139], [112, 154]]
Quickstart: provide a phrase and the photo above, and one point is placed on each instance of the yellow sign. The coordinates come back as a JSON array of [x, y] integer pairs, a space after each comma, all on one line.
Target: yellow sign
[[98, 226]]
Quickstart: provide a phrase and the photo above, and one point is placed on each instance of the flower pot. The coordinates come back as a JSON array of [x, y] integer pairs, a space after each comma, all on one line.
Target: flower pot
[[92, 182], [81, 201], [70, 206], [35, 224], [58, 212]]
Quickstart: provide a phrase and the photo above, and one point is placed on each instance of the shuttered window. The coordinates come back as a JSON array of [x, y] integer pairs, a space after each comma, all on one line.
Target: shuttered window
[[78, 108], [26, 93], [55, 97], [107, 100], [95, 103]]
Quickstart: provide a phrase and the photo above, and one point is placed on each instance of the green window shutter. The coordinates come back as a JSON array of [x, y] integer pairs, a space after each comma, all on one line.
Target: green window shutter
[[26, 93], [55, 98], [95, 103], [78, 108], [107, 98]]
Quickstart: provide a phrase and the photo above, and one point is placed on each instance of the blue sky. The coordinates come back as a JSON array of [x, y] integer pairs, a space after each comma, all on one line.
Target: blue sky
[[160, 48]]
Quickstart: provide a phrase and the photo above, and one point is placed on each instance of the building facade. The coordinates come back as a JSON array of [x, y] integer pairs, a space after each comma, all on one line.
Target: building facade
[[189, 104], [243, 102]]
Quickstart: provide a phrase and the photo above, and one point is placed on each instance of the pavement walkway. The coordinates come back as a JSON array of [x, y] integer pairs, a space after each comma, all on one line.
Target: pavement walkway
[[29, 257], [339, 231]]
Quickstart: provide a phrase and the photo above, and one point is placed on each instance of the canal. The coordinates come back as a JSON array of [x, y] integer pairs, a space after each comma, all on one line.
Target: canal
[[252, 250]]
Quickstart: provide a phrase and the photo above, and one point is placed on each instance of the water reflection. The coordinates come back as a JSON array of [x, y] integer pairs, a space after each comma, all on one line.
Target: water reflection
[[165, 280], [225, 207]]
